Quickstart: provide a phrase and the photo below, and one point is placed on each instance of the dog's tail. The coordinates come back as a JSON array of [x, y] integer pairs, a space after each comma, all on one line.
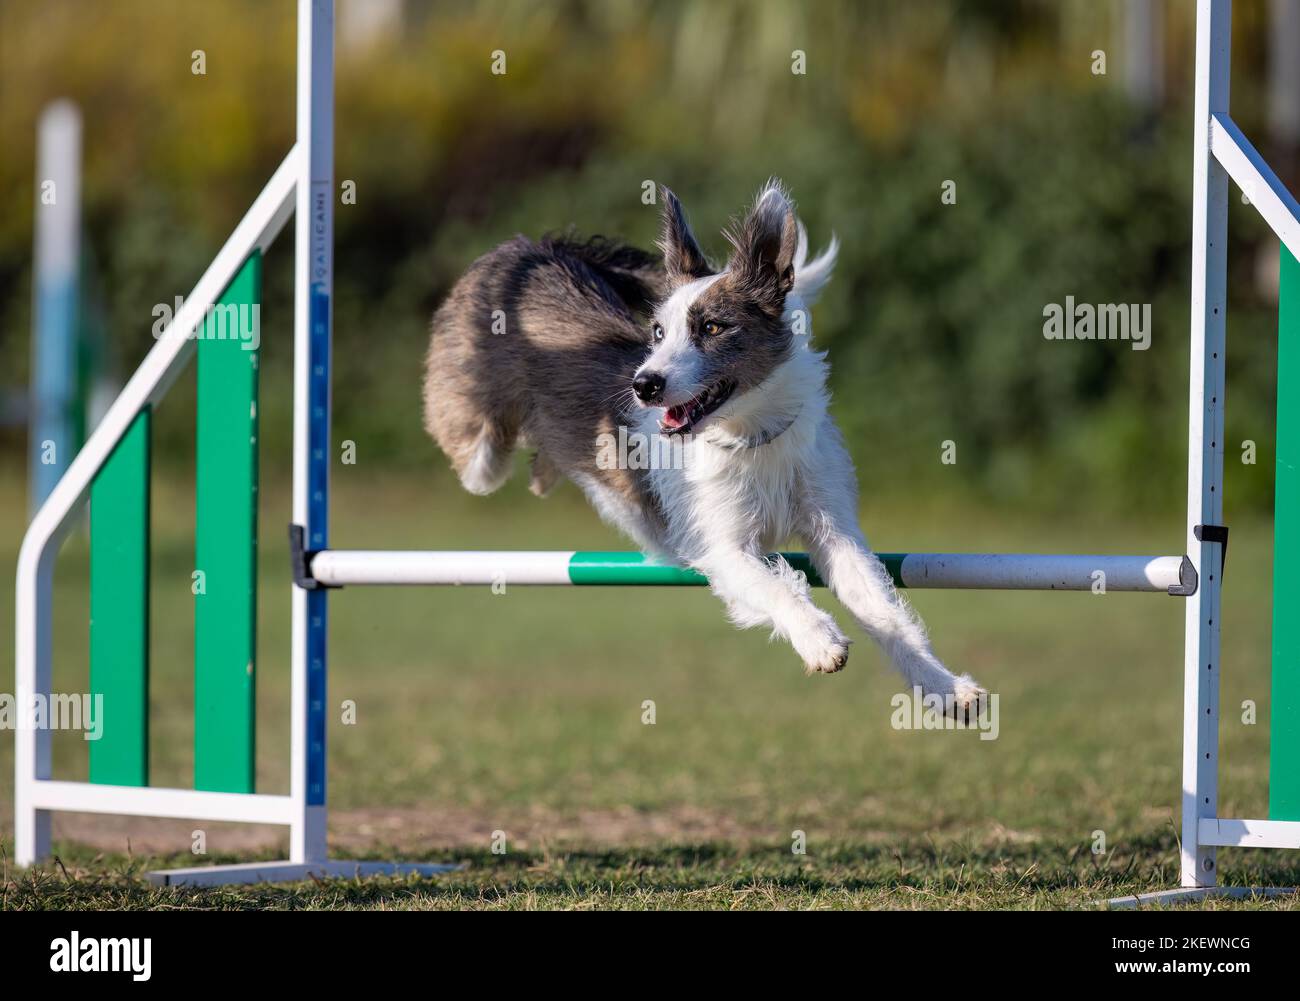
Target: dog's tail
[[810, 277]]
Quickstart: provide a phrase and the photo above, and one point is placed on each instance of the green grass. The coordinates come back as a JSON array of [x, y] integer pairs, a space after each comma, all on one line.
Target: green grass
[[521, 713], [914, 874]]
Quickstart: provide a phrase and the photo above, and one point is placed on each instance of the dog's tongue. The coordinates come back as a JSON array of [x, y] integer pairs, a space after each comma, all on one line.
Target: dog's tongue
[[675, 417]]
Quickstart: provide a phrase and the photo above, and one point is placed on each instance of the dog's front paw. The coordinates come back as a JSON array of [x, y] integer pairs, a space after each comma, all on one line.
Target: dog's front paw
[[967, 699], [824, 650]]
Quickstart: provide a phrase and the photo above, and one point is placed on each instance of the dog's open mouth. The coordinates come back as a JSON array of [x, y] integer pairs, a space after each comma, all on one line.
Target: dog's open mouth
[[684, 416]]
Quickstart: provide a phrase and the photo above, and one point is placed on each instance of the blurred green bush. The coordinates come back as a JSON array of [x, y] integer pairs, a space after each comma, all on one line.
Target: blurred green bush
[[933, 322]]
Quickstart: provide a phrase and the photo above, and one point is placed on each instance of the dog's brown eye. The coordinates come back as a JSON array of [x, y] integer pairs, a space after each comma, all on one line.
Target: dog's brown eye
[[712, 329]]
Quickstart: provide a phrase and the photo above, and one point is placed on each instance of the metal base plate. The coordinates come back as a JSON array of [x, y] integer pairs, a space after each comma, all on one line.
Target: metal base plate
[[289, 872], [1187, 895]]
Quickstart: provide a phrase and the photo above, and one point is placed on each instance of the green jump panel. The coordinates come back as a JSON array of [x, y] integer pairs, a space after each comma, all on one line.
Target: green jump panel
[[119, 609], [1284, 766], [225, 538]]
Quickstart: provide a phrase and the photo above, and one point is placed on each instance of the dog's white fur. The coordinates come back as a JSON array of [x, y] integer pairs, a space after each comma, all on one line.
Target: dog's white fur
[[730, 505]]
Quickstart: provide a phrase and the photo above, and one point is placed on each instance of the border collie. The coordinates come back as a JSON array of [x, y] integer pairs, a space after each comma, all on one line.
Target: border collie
[[560, 345]]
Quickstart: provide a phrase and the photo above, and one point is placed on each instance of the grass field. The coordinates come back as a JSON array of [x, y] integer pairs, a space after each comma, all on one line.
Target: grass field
[[521, 713]]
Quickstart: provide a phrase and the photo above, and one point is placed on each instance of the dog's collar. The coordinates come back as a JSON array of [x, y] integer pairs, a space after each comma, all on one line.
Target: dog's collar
[[759, 440]]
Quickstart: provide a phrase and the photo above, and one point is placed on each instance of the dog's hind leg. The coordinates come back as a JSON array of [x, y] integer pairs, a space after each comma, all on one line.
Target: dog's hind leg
[[486, 465], [543, 474]]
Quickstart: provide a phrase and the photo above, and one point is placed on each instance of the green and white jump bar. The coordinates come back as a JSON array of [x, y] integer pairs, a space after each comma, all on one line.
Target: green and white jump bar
[[983, 571]]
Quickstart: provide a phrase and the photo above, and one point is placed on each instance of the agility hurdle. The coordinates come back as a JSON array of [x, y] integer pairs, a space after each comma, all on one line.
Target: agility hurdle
[[971, 571], [113, 469]]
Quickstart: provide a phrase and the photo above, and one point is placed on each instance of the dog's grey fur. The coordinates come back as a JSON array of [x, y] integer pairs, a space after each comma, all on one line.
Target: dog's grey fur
[[557, 371]]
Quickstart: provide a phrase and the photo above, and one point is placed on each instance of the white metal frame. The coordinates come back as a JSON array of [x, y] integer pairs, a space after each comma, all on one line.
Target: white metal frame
[[304, 183], [301, 184], [305, 811], [1220, 151], [35, 795], [313, 276], [1205, 443]]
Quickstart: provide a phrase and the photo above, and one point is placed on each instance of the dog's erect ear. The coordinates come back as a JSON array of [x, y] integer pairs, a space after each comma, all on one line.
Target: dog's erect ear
[[683, 259], [766, 241]]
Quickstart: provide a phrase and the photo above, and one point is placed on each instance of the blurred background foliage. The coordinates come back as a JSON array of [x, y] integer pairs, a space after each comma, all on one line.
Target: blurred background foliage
[[1068, 182]]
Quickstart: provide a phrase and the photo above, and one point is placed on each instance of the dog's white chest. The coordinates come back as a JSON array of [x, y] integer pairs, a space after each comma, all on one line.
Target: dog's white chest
[[731, 496]]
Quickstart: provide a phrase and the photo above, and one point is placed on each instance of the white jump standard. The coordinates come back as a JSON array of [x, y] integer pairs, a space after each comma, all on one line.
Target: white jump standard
[[114, 465], [306, 169]]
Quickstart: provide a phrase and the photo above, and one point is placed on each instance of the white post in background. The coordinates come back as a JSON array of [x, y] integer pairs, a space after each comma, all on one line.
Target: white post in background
[[56, 297], [1284, 72], [362, 24], [313, 294], [1143, 49], [1201, 665]]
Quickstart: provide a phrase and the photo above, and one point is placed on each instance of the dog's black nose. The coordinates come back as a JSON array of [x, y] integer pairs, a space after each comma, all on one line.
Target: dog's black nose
[[649, 387]]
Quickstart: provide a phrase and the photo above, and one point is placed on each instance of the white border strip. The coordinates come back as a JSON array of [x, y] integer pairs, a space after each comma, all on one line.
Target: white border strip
[[1256, 179], [1250, 833], [145, 801]]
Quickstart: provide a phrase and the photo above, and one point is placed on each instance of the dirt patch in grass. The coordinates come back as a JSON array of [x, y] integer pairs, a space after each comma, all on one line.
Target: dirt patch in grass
[[414, 829]]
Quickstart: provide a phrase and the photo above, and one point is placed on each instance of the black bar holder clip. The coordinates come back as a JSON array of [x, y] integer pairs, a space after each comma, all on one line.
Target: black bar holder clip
[[300, 558], [1203, 533]]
